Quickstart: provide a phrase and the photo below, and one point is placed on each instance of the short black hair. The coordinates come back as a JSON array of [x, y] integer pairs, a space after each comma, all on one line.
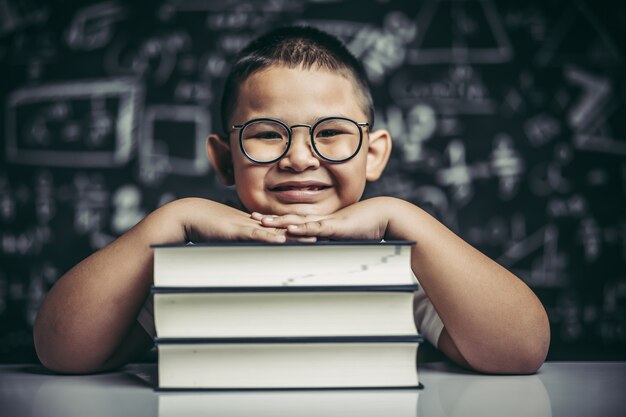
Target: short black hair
[[294, 46]]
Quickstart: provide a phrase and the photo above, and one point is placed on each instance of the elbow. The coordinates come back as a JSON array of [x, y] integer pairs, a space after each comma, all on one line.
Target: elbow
[[64, 363], [525, 360], [531, 352], [49, 353], [537, 345], [521, 364], [58, 354], [53, 362], [44, 345], [44, 348], [528, 362], [523, 355], [536, 351], [533, 345]]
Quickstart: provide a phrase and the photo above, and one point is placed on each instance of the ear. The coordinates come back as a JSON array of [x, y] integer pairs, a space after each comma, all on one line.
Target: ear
[[378, 154], [220, 157]]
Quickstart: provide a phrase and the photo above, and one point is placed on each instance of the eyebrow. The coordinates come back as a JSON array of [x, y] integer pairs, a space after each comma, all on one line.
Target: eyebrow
[[309, 122]]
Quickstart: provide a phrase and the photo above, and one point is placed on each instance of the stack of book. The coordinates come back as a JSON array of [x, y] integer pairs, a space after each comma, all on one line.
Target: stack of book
[[285, 316]]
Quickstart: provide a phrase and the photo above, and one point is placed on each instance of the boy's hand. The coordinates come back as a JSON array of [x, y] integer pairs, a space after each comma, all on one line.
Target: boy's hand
[[366, 219], [205, 220]]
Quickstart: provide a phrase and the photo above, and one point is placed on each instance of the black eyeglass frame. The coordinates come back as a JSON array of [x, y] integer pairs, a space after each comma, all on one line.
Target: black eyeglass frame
[[242, 127]]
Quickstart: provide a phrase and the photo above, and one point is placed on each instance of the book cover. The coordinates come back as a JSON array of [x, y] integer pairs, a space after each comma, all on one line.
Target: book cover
[[290, 264], [288, 363], [283, 311]]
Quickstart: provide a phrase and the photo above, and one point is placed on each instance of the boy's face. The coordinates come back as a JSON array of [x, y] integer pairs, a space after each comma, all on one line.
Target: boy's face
[[300, 182]]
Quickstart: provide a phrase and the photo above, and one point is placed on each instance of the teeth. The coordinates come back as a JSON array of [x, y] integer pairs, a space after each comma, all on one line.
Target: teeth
[[312, 188]]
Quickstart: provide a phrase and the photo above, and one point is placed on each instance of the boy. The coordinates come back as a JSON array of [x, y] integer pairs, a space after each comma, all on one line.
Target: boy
[[300, 146]]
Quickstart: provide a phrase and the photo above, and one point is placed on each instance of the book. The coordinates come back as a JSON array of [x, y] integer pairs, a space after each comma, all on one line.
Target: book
[[288, 363], [233, 264], [283, 311], [249, 316], [311, 403]]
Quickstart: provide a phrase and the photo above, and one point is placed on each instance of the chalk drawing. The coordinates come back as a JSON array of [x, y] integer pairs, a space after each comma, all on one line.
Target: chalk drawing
[[54, 105], [453, 31], [154, 146]]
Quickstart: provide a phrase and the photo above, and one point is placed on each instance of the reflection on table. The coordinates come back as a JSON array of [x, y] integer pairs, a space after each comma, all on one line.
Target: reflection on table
[[559, 389]]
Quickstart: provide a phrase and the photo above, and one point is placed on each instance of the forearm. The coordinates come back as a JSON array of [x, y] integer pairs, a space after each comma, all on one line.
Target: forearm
[[89, 312], [493, 318]]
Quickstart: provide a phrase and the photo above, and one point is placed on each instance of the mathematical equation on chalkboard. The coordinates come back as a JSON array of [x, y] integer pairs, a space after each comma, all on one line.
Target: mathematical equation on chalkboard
[[507, 122]]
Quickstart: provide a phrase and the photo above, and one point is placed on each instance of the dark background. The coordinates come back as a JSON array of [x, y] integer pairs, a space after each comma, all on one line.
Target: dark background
[[507, 119]]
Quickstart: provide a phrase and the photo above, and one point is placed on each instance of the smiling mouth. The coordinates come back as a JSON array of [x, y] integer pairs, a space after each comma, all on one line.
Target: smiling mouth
[[300, 188], [303, 193]]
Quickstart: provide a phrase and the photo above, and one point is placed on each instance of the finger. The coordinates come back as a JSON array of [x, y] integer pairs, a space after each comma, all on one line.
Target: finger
[[259, 216], [319, 228], [286, 220], [301, 239], [267, 235]]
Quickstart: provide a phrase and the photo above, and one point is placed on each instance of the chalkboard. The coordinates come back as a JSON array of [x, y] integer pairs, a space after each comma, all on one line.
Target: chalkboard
[[507, 120]]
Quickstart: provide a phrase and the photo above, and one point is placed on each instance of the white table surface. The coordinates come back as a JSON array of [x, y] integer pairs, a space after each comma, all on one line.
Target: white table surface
[[567, 389]]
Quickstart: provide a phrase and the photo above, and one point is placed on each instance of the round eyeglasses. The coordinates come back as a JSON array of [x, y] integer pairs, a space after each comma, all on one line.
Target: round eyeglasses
[[334, 139]]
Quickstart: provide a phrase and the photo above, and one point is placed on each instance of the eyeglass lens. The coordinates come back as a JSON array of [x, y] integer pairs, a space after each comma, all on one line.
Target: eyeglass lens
[[333, 139]]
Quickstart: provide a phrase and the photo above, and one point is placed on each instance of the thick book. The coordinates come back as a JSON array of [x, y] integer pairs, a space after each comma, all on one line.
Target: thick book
[[288, 363], [301, 403], [283, 311], [233, 264]]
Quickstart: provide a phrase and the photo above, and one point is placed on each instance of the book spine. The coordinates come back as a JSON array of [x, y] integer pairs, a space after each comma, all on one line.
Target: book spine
[[306, 244], [419, 386], [290, 340], [325, 288]]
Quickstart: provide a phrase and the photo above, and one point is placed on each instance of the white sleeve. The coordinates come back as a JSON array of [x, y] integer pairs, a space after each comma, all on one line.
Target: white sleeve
[[427, 320], [146, 317]]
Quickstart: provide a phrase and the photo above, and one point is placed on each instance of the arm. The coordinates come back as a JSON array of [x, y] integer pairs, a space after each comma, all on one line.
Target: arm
[[87, 322], [493, 321]]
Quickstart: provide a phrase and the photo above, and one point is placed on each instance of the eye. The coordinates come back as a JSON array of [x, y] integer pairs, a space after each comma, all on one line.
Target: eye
[[264, 135], [268, 135], [328, 133]]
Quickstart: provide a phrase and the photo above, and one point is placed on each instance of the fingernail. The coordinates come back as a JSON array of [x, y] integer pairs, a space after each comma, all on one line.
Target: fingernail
[[268, 219], [293, 227]]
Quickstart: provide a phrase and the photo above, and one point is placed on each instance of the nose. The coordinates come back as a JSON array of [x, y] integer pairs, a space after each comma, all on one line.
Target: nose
[[301, 156]]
